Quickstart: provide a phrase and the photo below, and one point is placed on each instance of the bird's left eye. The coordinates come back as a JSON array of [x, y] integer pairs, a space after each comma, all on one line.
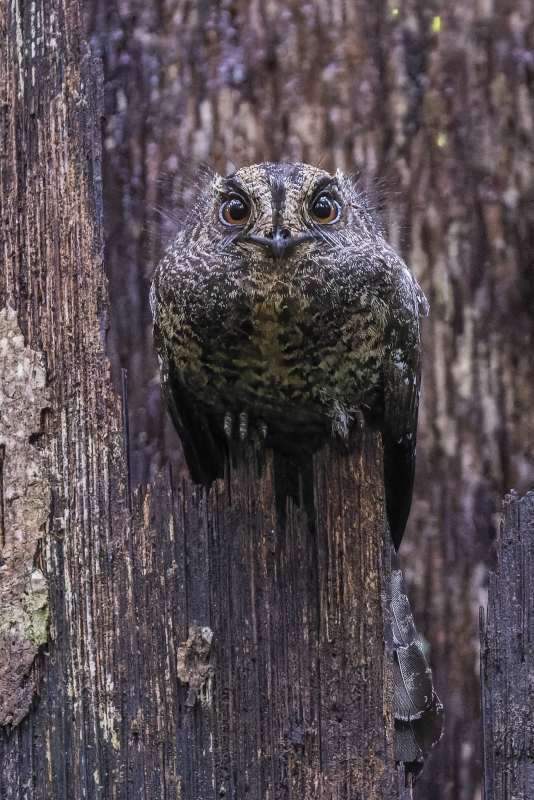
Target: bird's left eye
[[235, 211], [323, 209]]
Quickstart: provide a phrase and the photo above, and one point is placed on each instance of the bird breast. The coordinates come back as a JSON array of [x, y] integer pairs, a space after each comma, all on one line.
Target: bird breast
[[276, 349]]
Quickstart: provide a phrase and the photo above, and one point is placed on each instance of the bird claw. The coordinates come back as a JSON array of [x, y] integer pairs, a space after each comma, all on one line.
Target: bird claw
[[257, 431], [341, 421], [243, 425]]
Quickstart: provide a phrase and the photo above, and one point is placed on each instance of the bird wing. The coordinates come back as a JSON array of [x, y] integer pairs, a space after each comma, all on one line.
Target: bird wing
[[201, 437], [402, 377]]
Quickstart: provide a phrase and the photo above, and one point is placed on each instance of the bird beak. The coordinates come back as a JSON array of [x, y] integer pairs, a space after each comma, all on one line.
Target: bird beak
[[280, 243]]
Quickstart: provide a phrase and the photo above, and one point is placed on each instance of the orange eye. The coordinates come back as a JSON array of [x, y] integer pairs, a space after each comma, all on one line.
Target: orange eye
[[235, 211], [324, 209]]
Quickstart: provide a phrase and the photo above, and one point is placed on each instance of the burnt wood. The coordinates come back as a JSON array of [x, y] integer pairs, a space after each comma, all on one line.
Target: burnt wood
[[507, 663]]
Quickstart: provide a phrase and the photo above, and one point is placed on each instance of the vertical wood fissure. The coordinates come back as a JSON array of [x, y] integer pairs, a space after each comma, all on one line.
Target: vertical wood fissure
[[507, 646]]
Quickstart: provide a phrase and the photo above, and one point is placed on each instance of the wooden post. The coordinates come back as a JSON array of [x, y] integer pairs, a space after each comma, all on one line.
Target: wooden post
[[507, 646], [262, 636]]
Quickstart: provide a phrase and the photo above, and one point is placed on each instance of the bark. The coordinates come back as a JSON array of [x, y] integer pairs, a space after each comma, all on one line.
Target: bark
[[199, 645], [435, 106], [507, 640]]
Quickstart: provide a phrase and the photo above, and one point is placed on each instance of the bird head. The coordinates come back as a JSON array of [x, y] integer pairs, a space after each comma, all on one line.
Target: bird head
[[278, 213], [280, 208]]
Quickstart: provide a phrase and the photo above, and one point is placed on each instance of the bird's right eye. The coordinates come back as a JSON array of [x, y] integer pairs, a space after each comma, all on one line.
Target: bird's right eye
[[234, 211]]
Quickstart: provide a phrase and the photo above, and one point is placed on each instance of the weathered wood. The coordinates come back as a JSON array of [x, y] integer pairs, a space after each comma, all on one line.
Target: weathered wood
[[507, 658], [263, 669], [435, 103], [199, 646]]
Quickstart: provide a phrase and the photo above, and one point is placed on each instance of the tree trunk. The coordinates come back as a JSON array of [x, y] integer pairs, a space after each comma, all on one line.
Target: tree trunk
[[507, 640], [435, 105], [200, 645], [263, 670]]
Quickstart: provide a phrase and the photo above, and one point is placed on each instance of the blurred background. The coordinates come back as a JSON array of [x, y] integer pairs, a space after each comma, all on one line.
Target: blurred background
[[431, 103]]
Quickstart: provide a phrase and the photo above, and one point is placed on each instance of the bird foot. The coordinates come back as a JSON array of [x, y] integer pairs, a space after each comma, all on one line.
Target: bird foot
[[239, 427], [342, 420]]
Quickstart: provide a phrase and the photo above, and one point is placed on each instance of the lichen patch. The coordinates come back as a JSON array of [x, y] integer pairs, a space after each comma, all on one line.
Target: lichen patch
[[24, 509]]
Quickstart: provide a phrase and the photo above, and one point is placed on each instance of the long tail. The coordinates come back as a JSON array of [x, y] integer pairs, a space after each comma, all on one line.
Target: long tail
[[417, 710]]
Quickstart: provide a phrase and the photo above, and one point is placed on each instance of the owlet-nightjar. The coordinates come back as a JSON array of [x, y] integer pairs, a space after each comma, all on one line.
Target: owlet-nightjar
[[282, 314]]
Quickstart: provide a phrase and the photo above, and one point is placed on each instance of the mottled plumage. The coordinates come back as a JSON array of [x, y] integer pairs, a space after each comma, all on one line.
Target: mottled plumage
[[294, 322], [281, 314]]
